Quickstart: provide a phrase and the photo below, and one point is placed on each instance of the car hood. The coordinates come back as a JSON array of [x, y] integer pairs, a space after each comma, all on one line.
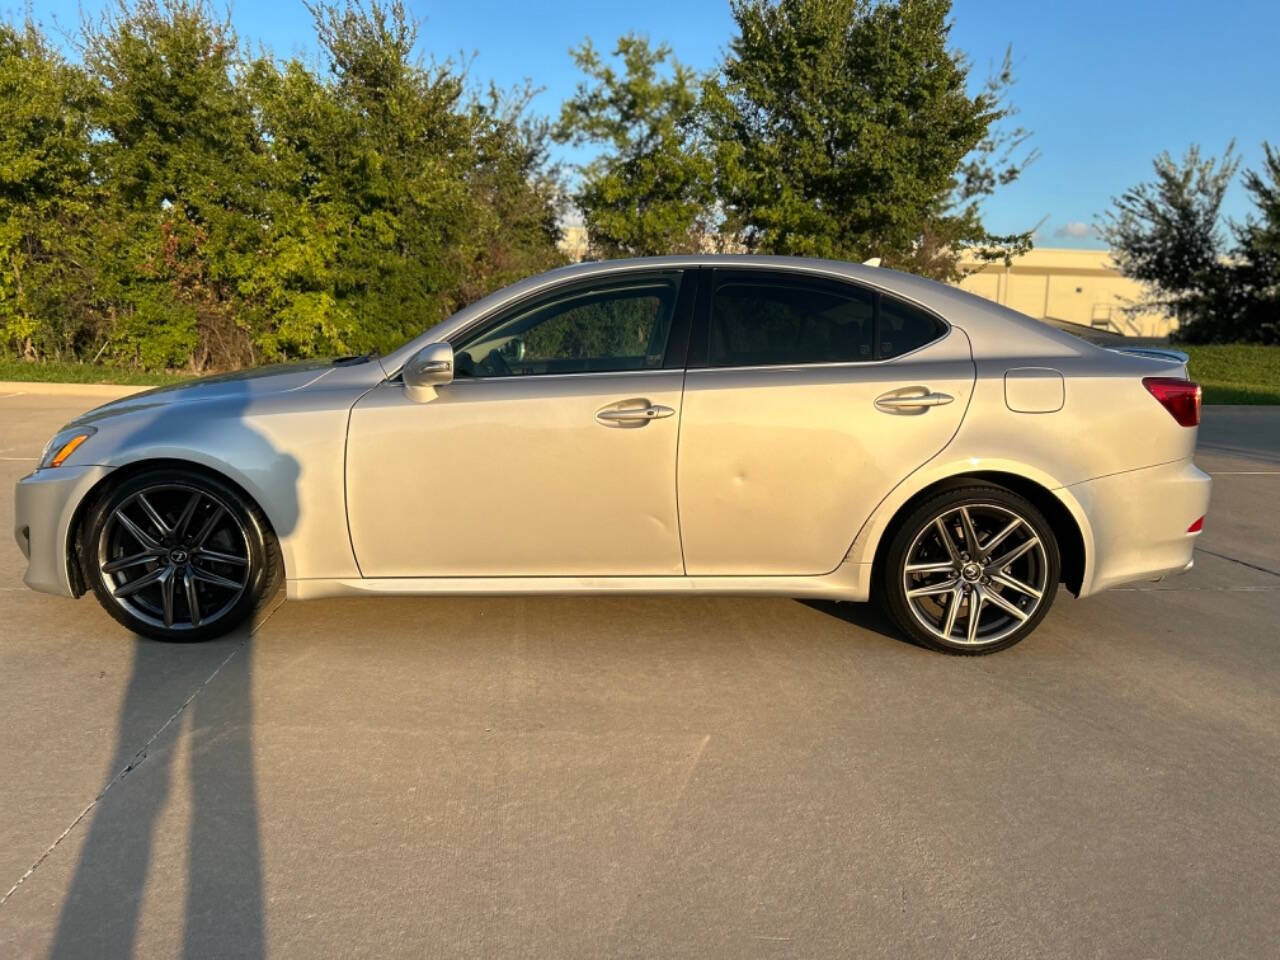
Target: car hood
[[246, 384]]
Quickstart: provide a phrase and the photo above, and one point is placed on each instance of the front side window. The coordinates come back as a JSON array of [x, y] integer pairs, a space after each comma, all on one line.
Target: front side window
[[757, 322], [596, 330]]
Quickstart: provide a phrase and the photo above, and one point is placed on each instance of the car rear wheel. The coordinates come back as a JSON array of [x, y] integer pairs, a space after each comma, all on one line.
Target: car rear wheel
[[178, 555], [972, 570]]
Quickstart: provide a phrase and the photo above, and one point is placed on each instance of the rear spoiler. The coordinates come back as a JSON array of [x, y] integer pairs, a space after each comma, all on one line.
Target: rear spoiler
[[1156, 353]]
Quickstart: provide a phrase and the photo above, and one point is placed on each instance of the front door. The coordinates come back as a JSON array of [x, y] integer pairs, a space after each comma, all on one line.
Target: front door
[[551, 454], [806, 408]]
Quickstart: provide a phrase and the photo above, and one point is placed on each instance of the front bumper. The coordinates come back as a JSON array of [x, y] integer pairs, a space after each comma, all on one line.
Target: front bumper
[[45, 504], [1139, 522]]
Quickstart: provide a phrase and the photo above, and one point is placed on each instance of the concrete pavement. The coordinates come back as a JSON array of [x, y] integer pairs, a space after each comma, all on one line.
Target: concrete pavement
[[652, 777]]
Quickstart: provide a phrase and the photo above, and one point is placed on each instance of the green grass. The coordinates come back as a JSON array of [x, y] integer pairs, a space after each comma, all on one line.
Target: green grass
[[53, 371], [1235, 372]]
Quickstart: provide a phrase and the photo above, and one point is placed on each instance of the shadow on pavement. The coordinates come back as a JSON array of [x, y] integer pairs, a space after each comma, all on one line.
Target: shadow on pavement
[[868, 616], [224, 910]]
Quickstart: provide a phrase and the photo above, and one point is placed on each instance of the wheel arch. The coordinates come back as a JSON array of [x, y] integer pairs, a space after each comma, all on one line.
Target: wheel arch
[[1064, 516], [74, 557]]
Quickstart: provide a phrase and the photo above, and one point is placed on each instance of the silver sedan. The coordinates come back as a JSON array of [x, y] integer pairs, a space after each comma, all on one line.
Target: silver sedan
[[732, 425]]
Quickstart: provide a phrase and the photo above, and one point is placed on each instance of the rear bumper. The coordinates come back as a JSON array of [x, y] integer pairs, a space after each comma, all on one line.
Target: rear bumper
[[1139, 522], [45, 503]]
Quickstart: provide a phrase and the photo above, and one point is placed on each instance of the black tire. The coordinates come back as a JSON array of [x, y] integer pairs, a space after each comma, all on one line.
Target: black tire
[[936, 534], [148, 524]]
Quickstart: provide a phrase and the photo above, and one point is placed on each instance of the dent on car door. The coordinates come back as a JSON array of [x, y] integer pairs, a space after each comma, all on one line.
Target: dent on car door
[[815, 399], [551, 454]]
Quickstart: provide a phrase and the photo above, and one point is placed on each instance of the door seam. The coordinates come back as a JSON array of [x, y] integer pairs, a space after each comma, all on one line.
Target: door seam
[[684, 567], [346, 473]]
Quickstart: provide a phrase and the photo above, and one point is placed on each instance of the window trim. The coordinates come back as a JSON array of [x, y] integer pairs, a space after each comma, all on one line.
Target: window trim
[[677, 335], [712, 277]]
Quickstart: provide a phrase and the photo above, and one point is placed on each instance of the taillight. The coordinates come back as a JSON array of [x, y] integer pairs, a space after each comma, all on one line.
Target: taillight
[[1180, 397]]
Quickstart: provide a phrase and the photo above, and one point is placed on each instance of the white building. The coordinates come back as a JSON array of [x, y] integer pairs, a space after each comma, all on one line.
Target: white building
[[1076, 286]]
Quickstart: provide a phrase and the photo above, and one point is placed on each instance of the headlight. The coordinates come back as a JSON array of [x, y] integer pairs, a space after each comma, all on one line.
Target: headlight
[[63, 444]]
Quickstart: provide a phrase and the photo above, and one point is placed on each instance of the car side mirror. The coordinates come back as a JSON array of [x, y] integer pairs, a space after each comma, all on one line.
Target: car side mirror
[[430, 367]]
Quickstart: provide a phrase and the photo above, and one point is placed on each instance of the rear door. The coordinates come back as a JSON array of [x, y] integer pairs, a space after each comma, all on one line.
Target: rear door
[[806, 401]]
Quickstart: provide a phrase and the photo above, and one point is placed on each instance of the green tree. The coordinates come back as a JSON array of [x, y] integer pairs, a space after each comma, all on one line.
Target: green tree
[[1258, 252], [953, 223], [845, 128], [422, 197], [515, 195], [291, 285], [396, 166], [47, 198], [649, 191], [179, 158], [1167, 233]]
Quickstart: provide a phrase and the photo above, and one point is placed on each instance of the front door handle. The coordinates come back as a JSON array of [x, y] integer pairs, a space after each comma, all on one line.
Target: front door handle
[[633, 415], [895, 401]]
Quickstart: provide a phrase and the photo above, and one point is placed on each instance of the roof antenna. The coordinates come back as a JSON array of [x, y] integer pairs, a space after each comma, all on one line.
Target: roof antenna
[[873, 262]]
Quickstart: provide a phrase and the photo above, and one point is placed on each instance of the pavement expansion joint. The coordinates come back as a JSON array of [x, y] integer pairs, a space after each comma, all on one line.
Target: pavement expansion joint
[[1243, 563]]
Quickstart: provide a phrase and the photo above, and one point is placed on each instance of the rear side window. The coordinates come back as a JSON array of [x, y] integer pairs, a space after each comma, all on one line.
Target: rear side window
[[775, 319], [757, 323], [904, 328]]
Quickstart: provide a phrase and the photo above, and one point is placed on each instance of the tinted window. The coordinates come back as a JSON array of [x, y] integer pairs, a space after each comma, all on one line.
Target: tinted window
[[783, 321], [585, 331], [904, 328]]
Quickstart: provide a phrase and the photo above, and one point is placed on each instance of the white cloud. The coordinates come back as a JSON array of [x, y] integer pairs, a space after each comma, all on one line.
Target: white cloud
[[1077, 229]]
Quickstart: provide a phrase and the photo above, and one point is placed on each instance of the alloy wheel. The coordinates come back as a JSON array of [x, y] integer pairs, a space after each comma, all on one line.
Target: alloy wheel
[[975, 573], [174, 556]]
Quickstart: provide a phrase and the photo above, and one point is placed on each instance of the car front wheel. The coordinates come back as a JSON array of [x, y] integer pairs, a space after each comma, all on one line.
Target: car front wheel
[[971, 570], [178, 555]]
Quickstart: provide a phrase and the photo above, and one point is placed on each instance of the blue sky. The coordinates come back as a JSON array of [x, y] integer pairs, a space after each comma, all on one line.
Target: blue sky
[[1104, 86]]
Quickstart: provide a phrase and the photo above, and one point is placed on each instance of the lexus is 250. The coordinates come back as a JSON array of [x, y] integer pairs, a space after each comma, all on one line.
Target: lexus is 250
[[701, 424]]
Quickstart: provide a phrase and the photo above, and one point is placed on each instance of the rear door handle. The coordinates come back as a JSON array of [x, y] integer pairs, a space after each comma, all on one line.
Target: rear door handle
[[895, 401], [633, 415]]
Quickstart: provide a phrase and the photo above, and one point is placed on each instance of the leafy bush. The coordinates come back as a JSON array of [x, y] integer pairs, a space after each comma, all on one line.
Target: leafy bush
[[173, 201]]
